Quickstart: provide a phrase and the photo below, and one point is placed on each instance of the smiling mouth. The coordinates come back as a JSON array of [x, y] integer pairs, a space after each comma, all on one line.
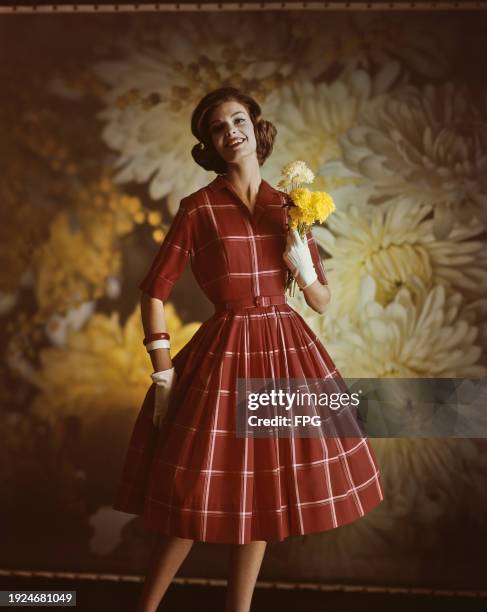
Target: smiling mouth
[[236, 143]]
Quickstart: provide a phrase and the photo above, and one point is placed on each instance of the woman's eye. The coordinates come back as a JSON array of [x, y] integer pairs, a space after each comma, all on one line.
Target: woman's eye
[[219, 127]]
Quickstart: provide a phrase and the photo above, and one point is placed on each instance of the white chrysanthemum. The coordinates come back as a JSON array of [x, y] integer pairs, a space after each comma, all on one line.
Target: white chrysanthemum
[[391, 242], [298, 172], [311, 117], [421, 333], [429, 145], [152, 94]]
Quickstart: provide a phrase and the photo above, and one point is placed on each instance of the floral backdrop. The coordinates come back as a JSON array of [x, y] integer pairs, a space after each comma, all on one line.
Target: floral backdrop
[[390, 112]]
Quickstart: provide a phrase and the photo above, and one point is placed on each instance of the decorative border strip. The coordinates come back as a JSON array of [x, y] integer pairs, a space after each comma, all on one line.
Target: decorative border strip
[[245, 6], [314, 586]]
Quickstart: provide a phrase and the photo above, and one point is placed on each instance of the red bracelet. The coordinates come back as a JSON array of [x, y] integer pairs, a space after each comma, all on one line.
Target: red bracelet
[[156, 336]]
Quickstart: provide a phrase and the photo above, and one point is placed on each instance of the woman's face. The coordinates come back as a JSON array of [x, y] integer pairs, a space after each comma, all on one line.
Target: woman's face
[[229, 123]]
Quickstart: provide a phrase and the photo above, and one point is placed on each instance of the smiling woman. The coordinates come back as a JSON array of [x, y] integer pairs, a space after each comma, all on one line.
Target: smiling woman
[[194, 478], [236, 140], [243, 114]]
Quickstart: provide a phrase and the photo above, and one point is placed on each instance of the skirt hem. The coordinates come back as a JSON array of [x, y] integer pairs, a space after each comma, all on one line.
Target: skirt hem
[[185, 534]]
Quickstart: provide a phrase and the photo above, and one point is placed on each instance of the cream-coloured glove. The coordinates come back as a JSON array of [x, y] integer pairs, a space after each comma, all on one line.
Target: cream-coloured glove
[[164, 381], [298, 258]]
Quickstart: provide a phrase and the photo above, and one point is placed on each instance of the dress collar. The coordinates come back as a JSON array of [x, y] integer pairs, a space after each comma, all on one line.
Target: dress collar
[[265, 189]]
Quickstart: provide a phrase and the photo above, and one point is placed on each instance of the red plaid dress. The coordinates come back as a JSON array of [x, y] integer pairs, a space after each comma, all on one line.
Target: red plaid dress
[[195, 478]]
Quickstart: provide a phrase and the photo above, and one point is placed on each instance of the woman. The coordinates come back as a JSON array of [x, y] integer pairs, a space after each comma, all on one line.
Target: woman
[[187, 472]]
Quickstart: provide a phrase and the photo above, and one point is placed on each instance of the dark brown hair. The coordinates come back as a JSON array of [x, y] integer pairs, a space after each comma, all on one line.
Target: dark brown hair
[[204, 153]]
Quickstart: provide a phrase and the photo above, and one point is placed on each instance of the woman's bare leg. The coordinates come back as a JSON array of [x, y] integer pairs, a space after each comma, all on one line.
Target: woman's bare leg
[[245, 564], [167, 556]]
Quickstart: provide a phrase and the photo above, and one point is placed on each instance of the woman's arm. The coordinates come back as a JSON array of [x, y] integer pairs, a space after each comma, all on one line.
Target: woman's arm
[[317, 296], [153, 320]]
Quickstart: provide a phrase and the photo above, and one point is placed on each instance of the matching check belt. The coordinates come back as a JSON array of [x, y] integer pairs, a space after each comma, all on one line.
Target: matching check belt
[[256, 301]]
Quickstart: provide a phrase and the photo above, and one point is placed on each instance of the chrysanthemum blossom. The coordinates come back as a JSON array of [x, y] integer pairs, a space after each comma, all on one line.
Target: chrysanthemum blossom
[[152, 92], [421, 333], [310, 118], [429, 145], [298, 172], [103, 367], [392, 242]]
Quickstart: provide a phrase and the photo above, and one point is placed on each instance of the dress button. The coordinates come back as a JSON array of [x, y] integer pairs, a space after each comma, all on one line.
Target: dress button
[[258, 300]]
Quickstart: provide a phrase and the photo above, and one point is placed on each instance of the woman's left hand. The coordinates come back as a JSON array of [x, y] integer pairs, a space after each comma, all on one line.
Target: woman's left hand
[[298, 259]]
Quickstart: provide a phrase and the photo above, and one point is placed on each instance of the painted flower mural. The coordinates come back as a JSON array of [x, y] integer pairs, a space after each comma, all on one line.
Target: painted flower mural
[[152, 91], [102, 367], [428, 144], [311, 117], [392, 242], [390, 115], [420, 333]]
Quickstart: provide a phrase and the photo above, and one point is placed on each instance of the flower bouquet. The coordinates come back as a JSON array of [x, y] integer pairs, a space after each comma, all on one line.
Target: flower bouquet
[[305, 207]]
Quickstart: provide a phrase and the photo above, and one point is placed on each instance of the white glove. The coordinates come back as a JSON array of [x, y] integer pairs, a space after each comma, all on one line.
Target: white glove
[[164, 381], [298, 258]]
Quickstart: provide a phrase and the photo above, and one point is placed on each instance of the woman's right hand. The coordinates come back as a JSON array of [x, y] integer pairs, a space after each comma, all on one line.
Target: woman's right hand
[[164, 381]]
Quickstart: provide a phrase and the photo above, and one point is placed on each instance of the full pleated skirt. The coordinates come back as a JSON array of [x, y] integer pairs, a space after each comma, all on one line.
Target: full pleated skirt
[[194, 478]]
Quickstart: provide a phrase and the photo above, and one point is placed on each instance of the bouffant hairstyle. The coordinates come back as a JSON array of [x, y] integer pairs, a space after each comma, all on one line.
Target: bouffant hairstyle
[[204, 153]]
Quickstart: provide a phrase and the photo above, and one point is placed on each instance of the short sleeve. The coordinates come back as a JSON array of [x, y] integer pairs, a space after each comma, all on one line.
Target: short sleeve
[[170, 261], [316, 257]]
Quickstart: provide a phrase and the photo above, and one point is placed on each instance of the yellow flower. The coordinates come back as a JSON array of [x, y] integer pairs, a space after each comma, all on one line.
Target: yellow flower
[[132, 204], [309, 206], [154, 217], [139, 217], [89, 256], [301, 197], [322, 205], [158, 235], [103, 368]]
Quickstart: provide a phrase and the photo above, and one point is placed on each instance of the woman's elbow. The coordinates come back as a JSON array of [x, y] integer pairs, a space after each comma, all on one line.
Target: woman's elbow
[[147, 297], [321, 309], [322, 305], [150, 303]]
